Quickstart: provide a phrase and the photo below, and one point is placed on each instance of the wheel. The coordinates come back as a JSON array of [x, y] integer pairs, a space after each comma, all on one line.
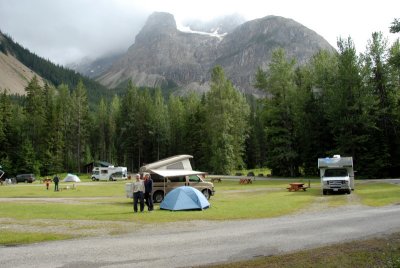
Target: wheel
[[158, 197], [110, 179], [93, 179], [348, 191], [206, 193], [324, 192]]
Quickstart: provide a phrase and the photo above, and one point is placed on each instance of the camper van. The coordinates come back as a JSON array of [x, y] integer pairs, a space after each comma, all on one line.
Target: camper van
[[170, 173], [110, 173], [337, 174]]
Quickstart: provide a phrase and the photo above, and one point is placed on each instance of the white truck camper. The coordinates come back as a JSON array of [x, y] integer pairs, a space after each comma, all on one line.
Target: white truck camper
[[337, 174], [110, 173]]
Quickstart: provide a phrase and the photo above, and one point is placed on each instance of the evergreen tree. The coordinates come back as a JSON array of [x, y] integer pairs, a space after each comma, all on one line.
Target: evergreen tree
[[312, 81], [79, 124], [255, 156], [176, 114], [159, 126], [226, 121], [51, 157], [114, 111], [66, 132], [101, 127], [385, 141], [34, 108], [282, 149], [347, 108], [195, 133]]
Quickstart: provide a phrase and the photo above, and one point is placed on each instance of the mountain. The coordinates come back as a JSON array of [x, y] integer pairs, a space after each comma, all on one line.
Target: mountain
[[164, 56], [14, 75], [94, 68], [18, 65]]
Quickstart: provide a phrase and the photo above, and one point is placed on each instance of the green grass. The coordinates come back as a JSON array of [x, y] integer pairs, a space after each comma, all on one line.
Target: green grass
[[105, 188], [106, 201], [10, 238], [232, 201], [377, 252], [378, 194]]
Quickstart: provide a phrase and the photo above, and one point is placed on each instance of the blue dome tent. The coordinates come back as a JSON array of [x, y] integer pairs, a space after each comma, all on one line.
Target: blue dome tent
[[185, 198]]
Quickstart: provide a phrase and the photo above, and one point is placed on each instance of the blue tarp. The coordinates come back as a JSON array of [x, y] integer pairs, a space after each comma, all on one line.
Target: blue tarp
[[185, 198]]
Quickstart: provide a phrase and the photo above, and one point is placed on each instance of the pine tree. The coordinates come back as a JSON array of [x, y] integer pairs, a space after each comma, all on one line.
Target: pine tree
[[226, 121], [282, 150], [80, 124]]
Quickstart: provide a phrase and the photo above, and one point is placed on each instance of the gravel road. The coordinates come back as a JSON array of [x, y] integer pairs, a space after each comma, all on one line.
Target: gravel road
[[204, 242]]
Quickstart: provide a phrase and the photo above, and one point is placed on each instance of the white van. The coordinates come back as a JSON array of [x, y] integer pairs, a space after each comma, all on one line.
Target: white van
[[166, 180]]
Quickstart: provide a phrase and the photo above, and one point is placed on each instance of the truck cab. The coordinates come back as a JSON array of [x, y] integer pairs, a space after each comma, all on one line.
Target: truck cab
[[337, 174]]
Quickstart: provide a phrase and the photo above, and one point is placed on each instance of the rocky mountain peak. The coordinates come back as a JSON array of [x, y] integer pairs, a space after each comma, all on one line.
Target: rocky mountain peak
[[163, 55], [160, 22]]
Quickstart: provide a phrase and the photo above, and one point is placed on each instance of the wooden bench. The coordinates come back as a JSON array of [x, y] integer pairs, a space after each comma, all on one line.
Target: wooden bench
[[216, 180]]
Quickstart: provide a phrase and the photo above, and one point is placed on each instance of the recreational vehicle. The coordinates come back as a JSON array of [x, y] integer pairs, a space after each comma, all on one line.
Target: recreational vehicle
[[337, 174], [173, 172], [110, 173]]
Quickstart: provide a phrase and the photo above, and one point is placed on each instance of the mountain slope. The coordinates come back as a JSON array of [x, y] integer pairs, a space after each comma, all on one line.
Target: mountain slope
[[14, 76], [163, 55], [18, 64]]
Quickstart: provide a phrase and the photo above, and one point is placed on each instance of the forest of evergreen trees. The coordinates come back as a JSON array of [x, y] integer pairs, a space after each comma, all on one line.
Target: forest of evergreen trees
[[337, 103]]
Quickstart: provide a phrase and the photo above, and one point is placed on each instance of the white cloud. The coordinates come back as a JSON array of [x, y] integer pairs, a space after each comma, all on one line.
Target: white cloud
[[66, 31]]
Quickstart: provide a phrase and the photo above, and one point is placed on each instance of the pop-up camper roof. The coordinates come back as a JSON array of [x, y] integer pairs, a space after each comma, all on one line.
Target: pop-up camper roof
[[173, 162], [176, 172], [337, 161]]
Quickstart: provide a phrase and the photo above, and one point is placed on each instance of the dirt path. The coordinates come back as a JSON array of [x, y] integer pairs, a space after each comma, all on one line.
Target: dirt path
[[187, 244]]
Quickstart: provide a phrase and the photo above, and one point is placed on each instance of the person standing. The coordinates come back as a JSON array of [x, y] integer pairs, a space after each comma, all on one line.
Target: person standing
[[138, 188], [56, 180], [148, 190], [47, 181]]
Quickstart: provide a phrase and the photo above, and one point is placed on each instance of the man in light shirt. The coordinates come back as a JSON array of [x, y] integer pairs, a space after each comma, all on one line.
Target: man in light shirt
[[138, 189]]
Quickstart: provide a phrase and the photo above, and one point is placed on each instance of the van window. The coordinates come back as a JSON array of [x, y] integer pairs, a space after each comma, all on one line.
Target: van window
[[194, 178], [177, 179], [156, 178], [104, 171]]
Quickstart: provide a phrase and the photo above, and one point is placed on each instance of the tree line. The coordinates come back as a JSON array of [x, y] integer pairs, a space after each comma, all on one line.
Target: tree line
[[337, 103]]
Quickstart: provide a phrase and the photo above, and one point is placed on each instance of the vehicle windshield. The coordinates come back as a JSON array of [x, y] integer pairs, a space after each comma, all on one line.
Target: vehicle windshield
[[338, 172]]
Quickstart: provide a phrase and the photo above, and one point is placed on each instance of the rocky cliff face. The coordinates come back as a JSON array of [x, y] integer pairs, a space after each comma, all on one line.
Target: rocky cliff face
[[164, 55]]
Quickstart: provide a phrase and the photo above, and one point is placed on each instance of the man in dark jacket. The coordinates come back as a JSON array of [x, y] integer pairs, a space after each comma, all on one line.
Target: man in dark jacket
[[148, 190], [56, 181]]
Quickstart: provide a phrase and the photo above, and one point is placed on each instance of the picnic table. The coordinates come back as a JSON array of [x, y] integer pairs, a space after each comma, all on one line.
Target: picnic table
[[245, 181], [296, 186]]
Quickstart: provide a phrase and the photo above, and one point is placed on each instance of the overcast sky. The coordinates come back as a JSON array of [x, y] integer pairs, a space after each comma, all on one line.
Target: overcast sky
[[65, 31]]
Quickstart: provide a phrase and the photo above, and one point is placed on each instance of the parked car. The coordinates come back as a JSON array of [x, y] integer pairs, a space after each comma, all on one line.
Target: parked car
[[27, 178]]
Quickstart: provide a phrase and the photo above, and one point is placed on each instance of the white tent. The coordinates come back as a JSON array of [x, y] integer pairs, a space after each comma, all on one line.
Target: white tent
[[71, 178]]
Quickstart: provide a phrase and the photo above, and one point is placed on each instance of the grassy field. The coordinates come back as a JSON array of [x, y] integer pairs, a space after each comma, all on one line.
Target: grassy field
[[30, 213]]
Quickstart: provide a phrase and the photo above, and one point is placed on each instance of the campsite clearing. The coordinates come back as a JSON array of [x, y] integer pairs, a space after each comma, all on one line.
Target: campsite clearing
[[92, 206]]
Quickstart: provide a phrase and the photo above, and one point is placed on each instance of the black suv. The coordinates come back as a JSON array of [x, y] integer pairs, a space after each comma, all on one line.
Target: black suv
[[25, 178]]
